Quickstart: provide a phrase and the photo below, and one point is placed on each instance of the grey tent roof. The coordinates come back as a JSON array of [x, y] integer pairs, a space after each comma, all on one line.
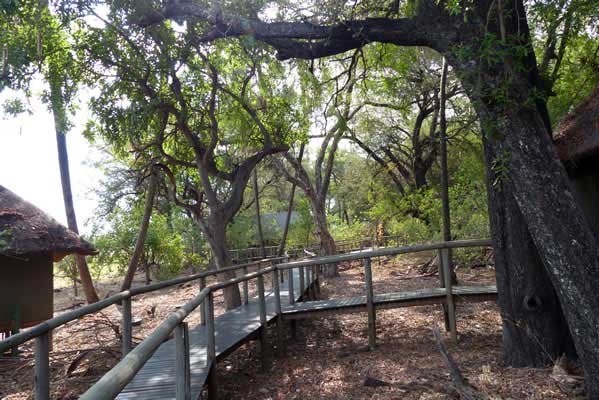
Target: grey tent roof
[[578, 134], [25, 229]]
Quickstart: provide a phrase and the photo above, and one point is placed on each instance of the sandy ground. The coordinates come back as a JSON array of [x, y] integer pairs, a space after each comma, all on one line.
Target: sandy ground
[[329, 358]]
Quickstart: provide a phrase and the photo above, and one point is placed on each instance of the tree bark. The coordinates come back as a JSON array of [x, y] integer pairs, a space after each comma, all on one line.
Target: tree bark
[[258, 216], [535, 332], [327, 243], [141, 237], [215, 232], [58, 111], [281, 248]]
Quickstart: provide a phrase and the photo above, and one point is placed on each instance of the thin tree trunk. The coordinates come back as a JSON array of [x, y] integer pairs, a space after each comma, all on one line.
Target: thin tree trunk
[[443, 149], [141, 237], [58, 112], [258, 216], [444, 168], [281, 248]]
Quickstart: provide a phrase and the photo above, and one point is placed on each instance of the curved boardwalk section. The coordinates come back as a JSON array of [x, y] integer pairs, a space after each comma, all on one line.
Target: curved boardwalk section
[[157, 379]]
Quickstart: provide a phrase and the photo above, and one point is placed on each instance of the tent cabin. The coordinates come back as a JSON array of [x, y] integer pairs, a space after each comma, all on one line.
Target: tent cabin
[[577, 144], [30, 241]]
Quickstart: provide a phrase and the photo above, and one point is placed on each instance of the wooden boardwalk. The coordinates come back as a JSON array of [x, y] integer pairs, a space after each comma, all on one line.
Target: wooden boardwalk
[[311, 309], [157, 380]]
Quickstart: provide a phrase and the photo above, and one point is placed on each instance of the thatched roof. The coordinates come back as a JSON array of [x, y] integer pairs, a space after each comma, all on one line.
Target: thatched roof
[[578, 133], [25, 229]]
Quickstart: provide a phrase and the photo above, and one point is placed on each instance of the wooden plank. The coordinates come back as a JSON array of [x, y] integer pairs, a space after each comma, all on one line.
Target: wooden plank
[[311, 309], [42, 367], [370, 305], [157, 378]]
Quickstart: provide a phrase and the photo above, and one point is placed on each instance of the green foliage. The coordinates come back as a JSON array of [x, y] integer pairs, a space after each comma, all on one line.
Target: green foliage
[[164, 246]]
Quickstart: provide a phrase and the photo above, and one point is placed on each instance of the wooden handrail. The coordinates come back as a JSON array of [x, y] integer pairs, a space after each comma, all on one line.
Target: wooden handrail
[[69, 316], [388, 251], [115, 380], [118, 377]]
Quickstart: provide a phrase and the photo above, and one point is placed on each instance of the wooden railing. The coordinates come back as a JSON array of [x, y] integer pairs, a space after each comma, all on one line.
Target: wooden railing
[[250, 253], [118, 377], [42, 332]]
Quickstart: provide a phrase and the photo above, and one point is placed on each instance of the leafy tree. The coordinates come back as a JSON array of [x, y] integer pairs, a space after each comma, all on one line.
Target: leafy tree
[[489, 45], [205, 115], [34, 43]]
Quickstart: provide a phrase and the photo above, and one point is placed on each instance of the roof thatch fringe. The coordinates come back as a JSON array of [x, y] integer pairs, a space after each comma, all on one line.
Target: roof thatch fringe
[[578, 134], [25, 229]]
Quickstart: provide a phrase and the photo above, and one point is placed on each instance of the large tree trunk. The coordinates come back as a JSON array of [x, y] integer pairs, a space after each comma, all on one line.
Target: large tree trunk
[[141, 237], [527, 167], [215, 231], [58, 111], [535, 332], [541, 237], [327, 243]]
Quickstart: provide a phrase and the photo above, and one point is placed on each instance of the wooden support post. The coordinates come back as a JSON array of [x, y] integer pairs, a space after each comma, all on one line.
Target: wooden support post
[[183, 389], [370, 305], [42, 367], [317, 269], [126, 327], [246, 295], [281, 350], [263, 333], [302, 283], [292, 301], [16, 329], [290, 287], [442, 284], [450, 300], [202, 310], [210, 346]]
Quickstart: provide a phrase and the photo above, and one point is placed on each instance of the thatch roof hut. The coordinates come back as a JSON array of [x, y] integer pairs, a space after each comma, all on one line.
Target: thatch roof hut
[[578, 134], [26, 230], [30, 241], [577, 144]]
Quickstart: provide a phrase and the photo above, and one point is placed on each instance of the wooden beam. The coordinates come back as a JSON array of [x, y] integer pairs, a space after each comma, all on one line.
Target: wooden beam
[[42, 367], [370, 305], [126, 327]]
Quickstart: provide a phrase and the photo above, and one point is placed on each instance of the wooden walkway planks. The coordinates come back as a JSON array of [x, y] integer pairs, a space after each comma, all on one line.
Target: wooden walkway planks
[[311, 309], [156, 380]]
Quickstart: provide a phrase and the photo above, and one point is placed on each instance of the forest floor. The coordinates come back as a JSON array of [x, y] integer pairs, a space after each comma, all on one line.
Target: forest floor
[[329, 358]]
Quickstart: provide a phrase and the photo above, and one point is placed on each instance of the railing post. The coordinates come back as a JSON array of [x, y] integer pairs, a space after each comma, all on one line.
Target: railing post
[[302, 283], [318, 272], [182, 362], [263, 333], [442, 284], [202, 310], [42, 367], [210, 345], [317, 281], [370, 305], [278, 310], [291, 292], [126, 327], [449, 292], [246, 295], [290, 287]]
